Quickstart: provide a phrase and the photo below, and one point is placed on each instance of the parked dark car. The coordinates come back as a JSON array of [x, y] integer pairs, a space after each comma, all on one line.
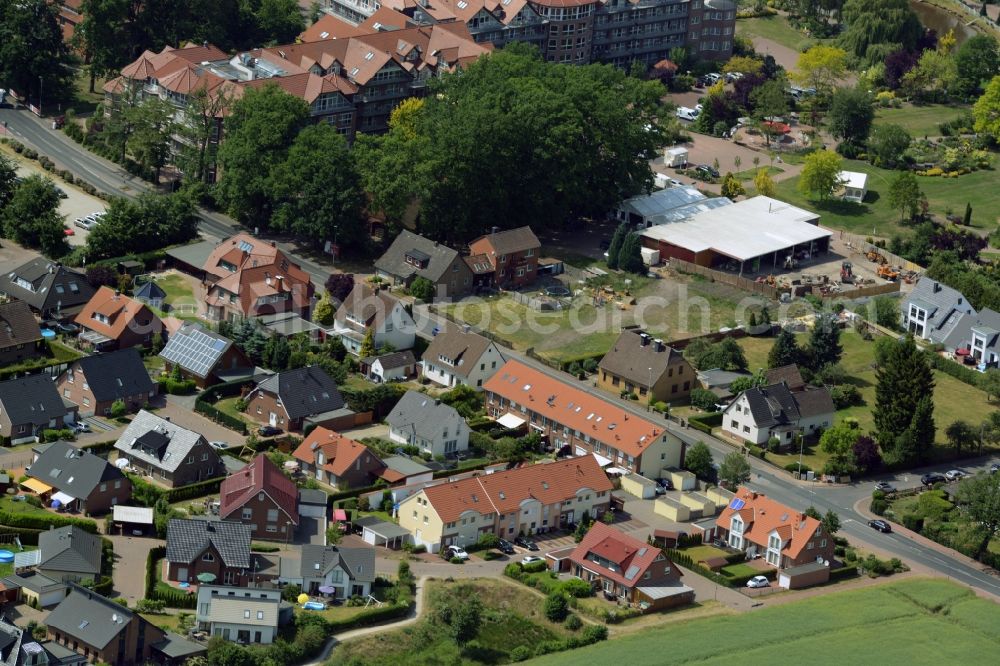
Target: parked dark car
[[505, 547], [666, 484], [932, 478], [524, 542], [880, 525], [711, 171], [268, 431]]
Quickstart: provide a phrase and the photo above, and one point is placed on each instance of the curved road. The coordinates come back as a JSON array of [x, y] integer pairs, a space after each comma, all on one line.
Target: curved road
[[111, 178]]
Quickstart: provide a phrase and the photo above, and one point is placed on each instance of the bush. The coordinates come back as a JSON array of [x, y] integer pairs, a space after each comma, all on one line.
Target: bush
[[911, 521], [491, 555], [521, 653], [535, 567], [556, 606], [846, 396], [794, 467], [514, 570], [878, 506], [573, 622], [577, 588], [595, 633], [704, 399]]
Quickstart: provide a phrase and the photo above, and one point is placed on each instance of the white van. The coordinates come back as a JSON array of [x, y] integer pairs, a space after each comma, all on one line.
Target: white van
[[685, 113]]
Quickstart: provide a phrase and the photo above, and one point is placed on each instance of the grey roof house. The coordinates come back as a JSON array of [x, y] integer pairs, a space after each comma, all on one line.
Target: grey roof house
[[458, 355], [763, 412], [420, 420], [69, 554], [116, 375], [173, 455], [350, 571], [10, 642], [20, 335], [976, 336], [80, 477], [51, 290], [220, 548], [789, 375], [31, 404], [933, 309], [292, 398], [411, 256], [718, 382], [103, 631]]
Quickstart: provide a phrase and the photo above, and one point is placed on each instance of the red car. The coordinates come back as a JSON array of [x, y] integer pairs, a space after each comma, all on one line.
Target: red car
[[68, 231]]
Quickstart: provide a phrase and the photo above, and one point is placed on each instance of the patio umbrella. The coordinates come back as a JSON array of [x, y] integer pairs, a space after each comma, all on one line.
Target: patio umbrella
[[302, 598], [327, 589], [206, 577], [56, 504]]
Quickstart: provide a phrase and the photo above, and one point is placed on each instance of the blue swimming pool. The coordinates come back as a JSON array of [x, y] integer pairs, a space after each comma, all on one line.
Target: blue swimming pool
[[314, 605], [6, 556]]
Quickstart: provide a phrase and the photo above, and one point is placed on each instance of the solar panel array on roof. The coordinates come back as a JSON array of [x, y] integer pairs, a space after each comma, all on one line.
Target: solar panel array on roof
[[737, 504], [194, 350]]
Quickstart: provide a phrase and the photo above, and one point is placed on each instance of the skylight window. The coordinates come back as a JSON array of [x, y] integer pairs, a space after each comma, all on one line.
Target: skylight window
[[462, 4], [324, 35], [370, 55], [354, 72]]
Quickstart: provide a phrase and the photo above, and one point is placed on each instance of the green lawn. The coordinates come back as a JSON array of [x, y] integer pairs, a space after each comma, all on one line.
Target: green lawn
[[920, 121], [739, 570], [180, 299], [751, 173], [775, 28], [701, 553], [165, 621], [11, 506], [588, 329], [921, 621], [876, 217], [953, 400], [228, 406], [7, 569], [62, 353]]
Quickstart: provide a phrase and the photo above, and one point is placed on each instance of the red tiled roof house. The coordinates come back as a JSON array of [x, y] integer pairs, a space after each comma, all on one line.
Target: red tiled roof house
[[631, 570], [332, 458], [261, 496]]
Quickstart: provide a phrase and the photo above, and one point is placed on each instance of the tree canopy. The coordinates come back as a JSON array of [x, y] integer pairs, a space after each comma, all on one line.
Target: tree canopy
[[977, 60], [851, 114], [513, 139], [904, 381], [149, 222], [875, 23], [986, 110], [33, 55], [31, 217], [820, 174], [734, 470]]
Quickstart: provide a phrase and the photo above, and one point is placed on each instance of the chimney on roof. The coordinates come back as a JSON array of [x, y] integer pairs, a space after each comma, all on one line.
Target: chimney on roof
[[937, 287], [643, 339], [659, 344], [167, 419], [273, 244], [466, 328]]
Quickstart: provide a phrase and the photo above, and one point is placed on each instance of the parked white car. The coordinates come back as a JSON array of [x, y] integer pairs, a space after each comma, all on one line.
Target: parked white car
[[759, 581], [457, 551], [528, 559], [686, 113]]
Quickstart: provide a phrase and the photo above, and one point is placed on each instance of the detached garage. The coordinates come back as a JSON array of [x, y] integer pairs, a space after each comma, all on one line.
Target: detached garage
[[814, 573]]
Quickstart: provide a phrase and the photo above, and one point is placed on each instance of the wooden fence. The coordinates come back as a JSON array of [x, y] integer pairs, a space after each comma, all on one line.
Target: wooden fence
[[862, 292], [743, 283], [862, 246]]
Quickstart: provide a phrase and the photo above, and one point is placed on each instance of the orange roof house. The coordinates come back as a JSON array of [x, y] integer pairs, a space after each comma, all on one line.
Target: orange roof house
[[248, 277], [525, 500], [338, 460], [570, 416], [111, 320], [762, 527]]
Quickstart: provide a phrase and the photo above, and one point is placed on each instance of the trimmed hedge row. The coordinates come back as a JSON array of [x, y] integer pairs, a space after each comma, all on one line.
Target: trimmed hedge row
[[36, 522], [956, 370], [705, 422], [173, 599], [683, 559], [27, 536], [371, 616], [220, 417], [843, 572], [191, 491], [100, 448]]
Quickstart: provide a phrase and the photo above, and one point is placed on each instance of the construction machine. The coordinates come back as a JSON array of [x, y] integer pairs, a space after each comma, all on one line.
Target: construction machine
[[887, 272], [846, 272]]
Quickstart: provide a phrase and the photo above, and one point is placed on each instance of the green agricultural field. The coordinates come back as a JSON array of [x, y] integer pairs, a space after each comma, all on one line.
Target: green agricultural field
[[920, 121], [775, 28], [922, 621], [876, 217]]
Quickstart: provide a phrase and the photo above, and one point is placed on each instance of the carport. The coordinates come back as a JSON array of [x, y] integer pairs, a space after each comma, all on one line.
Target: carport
[[136, 520], [558, 560], [380, 533], [814, 573]]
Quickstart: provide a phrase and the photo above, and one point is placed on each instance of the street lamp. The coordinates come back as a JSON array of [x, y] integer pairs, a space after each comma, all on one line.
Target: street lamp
[[40, 86], [649, 391]]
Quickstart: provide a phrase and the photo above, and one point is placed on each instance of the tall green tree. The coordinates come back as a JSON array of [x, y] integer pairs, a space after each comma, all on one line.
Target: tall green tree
[[8, 180], [887, 144], [31, 217], [979, 497], [149, 222], [630, 257], [615, 247], [100, 36], [33, 55], [905, 194], [903, 380], [734, 470], [201, 128], [317, 190], [824, 343], [149, 142], [986, 110], [572, 142], [785, 350], [698, 460], [961, 433], [851, 114], [769, 100], [279, 21], [259, 131], [977, 60], [876, 23], [820, 174]]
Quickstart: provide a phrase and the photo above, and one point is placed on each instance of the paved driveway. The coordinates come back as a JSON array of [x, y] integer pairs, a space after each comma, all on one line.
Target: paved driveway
[[311, 531], [130, 566], [185, 417]]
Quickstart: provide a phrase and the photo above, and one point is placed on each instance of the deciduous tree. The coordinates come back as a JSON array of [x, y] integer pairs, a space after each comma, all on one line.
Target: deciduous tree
[[961, 434], [33, 54], [698, 461], [979, 497], [100, 34], [905, 194], [820, 174], [149, 141], [734, 470], [31, 217], [851, 114], [259, 131], [820, 67], [977, 60], [887, 144], [876, 23], [732, 187], [763, 182], [986, 110], [8, 180]]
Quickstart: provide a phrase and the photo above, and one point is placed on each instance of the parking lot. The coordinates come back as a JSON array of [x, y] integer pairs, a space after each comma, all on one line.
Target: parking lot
[[76, 204]]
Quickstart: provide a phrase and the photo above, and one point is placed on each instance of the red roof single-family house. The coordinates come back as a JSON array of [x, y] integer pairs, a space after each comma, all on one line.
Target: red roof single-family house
[[628, 569], [261, 496]]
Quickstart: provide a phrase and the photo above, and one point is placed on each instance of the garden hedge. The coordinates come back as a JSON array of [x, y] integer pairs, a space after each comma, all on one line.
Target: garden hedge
[[38, 522]]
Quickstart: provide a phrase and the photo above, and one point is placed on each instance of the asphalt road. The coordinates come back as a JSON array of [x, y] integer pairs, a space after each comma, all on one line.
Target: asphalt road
[[111, 178], [840, 498]]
